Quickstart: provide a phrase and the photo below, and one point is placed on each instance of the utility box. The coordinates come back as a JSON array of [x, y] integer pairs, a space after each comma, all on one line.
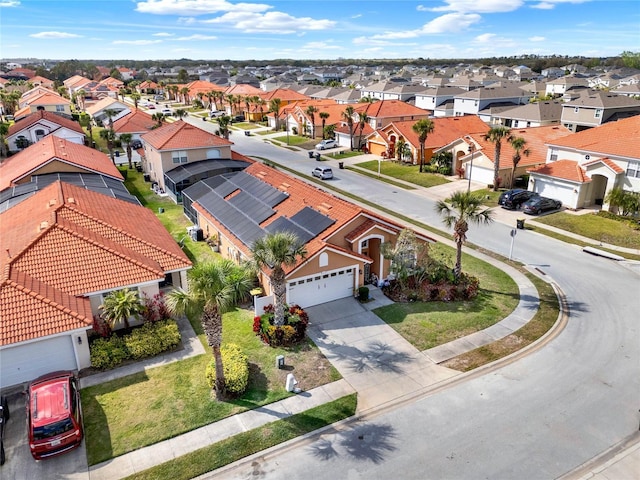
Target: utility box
[[291, 384], [280, 361], [197, 235]]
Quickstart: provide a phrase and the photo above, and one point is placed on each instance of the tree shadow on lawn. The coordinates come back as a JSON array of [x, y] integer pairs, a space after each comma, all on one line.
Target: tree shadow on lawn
[[257, 389]]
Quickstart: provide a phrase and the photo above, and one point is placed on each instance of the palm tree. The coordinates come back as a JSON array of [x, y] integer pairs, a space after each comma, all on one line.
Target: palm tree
[[464, 208], [119, 306], [180, 113], [135, 96], [347, 116], [363, 118], [110, 113], [274, 107], [214, 289], [311, 111], [496, 135], [261, 102], [4, 130], [518, 144], [223, 123], [323, 116], [126, 138], [158, 118], [423, 128], [110, 137], [184, 91], [275, 251], [80, 94]]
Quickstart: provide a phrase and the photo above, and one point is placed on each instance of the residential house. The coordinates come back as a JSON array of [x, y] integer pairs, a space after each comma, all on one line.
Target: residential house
[[481, 100], [107, 110], [392, 90], [49, 101], [135, 123], [582, 168], [630, 90], [564, 85], [35, 127], [177, 155], [438, 99], [64, 248], [535, 114], [343, 241], [597, 108]]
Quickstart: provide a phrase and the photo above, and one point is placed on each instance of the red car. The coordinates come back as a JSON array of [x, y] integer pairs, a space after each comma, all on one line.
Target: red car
[[54, 414]]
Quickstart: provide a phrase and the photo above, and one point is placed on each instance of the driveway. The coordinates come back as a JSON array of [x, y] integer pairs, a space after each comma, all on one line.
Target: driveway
[[20, 464], [370, 355]]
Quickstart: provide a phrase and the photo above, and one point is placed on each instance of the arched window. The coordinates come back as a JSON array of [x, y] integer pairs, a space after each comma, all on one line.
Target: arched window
[[323, 260]]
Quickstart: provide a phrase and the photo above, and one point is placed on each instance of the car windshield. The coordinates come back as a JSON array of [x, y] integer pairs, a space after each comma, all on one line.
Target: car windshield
[[52, 429]]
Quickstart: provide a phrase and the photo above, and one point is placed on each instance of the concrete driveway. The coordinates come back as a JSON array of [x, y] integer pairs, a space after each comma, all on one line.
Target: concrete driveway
[[370, 355], [20, 464]]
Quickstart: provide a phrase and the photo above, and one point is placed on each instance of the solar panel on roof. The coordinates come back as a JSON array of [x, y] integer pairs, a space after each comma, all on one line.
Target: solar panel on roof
[[251, 207], [312, 220], [283, 224]]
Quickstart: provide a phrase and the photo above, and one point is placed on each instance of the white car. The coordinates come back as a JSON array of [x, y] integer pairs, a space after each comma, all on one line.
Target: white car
[[217, 113], [323, 173], [166, 111], [330, 143]]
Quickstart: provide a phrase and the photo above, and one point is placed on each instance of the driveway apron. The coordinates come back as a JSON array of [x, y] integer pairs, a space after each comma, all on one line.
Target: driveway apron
[[375, 360]]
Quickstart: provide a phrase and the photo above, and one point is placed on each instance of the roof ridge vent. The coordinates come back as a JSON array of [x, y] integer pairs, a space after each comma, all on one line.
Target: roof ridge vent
[[43, 225]]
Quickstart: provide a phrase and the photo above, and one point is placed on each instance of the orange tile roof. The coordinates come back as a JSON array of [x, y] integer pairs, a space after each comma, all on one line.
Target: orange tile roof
[[180, 135], [391, 108], [537, 139], [135, 122], [620, 138], [52, 149], [284, 94], [48, 99], [565, 169], [243, 89], [35, 117], [608, 162]]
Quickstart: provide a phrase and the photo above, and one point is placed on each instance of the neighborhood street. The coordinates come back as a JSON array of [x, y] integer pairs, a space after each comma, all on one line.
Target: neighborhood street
[[539, 417]]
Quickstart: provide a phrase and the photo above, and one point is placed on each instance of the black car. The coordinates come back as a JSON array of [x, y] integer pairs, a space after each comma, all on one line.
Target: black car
[[537, 205], [135, 144], [513, 199], [4, 416]]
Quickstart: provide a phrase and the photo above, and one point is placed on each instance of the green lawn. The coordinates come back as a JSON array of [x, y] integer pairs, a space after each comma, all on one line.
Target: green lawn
[[595, 227], [175, 398], [429, 324], [408, 173]]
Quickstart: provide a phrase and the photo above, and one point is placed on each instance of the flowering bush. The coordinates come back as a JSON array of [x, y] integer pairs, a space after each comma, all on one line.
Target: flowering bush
[[292, 332], [155, 308]]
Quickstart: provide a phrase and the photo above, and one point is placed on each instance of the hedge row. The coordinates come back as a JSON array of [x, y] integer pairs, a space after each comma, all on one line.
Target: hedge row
[[147, 341]]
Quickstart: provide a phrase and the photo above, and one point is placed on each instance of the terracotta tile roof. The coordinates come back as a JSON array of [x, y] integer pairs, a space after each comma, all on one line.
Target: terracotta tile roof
[[608, 162], [537, 139], [356, 232], [180, 135], [391, 108], [52, 117], [134, 122], [102, 105], [48, 99], [243, 89], [32, 310], [54, 149], [284, 94], [565, 169], [79, 241], [620, 138]]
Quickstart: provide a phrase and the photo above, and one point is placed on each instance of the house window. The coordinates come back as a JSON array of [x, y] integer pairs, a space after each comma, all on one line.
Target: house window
[[598, 113], [633, 169], [554, 155], [323, 260], [365, 244], [179, 156], [60, 108]]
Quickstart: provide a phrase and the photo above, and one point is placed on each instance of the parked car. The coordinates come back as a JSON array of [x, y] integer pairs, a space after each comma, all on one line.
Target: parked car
[[323, 173], [217, 113], [54, 414], [328, 143], [159, 98], [151, 106], [135, 144], [513, 199], [166, 111], [4, 416], [539, 204]]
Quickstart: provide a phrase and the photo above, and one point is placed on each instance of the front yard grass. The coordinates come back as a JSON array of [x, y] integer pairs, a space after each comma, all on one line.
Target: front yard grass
[[429, 324], [408, 173], [175, 398], [595, 227]]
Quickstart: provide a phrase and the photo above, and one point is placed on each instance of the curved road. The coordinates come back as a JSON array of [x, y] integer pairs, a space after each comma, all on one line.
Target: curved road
[[537, 418]]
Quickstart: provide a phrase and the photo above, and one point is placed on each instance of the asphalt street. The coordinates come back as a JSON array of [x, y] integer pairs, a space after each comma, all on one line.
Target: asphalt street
[[537, 418]]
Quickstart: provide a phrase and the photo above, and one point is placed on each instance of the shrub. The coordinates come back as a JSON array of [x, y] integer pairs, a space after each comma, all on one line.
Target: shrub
[[235, 366], [147, 341], [293, 330]]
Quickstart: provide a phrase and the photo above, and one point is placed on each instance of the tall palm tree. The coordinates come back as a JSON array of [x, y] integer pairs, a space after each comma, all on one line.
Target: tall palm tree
[[184, 91], [518, 144], [458, 211], [180, 113], [4, 130], [347, 116], [159, 118], [120, 305], [363, 118], [224, 122], [274, 107], [110, 113], [231, 100], [324, 116], [260, 102], [214, 289], [110, 137], [135, 96], [276, 251], [311, 111], [423, 128], [126, 138], [495, 136], [80, 94]]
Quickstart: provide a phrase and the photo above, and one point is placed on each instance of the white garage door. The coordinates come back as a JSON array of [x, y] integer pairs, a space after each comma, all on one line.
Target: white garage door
[[321, 288], [552, 190], [480, 174], [25, 362]]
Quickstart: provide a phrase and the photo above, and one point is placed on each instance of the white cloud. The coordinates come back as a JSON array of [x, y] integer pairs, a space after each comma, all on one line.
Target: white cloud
[[198, 37], [9, 3], [478, 6], [135, 42], [54, 35], [320, 46], [270, 22], [162, 34], [537, 39], [485, 37], [196, 7], [550, 4], [492, 40], [450, 23]]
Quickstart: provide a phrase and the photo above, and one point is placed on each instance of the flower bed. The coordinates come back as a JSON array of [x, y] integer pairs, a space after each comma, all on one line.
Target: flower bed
[[466, 288], [291, 332]]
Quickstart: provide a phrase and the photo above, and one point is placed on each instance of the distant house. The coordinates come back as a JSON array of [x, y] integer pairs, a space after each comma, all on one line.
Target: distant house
[[49, 101], [597, 108], [536, 114], [481, 100], [134, 123], [177, 155], [343, 241], [34, 127], [582, 168], [439, 100], [100, 110]]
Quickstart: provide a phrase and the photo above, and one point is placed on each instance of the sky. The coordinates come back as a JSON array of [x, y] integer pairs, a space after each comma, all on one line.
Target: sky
[[315, 30]]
